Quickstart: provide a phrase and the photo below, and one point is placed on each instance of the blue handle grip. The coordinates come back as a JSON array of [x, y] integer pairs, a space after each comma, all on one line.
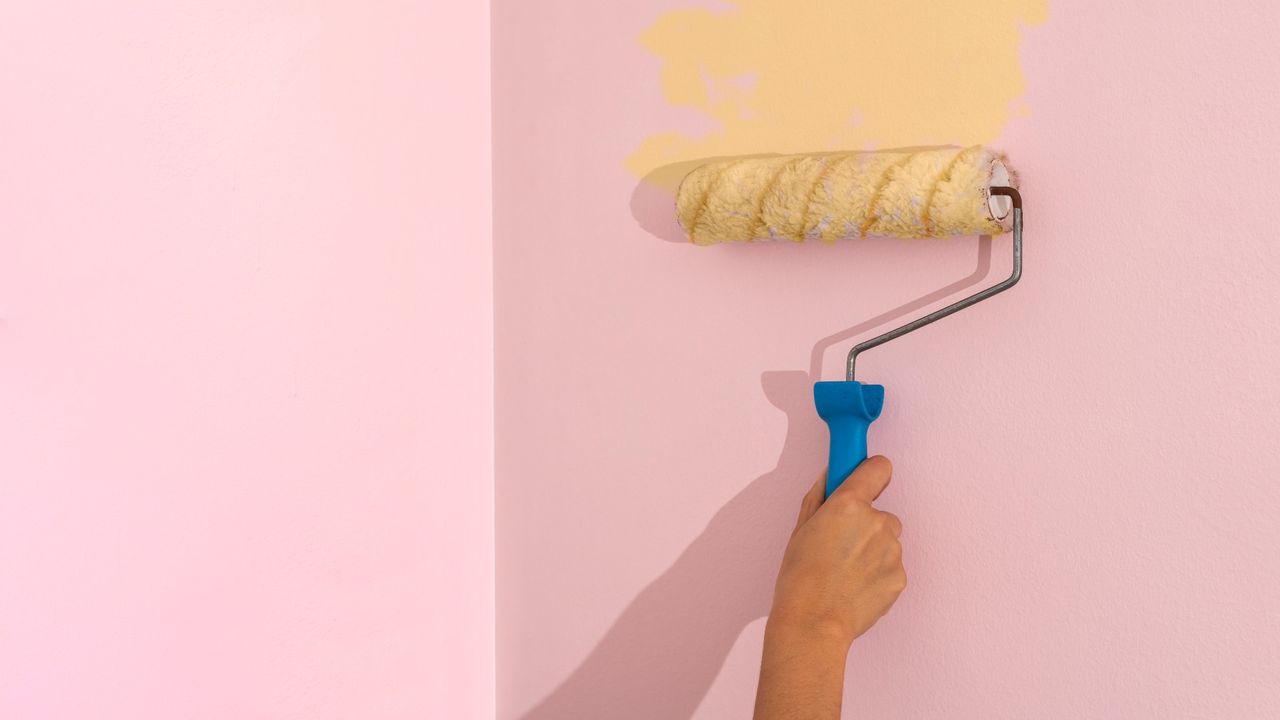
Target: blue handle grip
[[849, 407]]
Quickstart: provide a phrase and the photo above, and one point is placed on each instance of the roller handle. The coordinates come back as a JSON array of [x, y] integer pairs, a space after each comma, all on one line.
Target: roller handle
[[849, 408]]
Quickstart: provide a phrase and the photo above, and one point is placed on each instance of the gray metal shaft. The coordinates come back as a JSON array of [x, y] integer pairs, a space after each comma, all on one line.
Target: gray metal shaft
[[959, 304]]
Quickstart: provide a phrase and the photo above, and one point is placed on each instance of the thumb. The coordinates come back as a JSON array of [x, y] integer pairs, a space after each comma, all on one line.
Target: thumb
[[868, 480]]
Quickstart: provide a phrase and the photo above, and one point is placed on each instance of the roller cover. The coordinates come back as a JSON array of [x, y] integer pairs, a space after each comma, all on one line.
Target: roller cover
[[909, 193]]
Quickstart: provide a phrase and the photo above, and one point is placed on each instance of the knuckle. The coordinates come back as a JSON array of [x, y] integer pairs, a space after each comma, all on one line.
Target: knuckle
[[852, 512], [895, 552], [899, 580], [884, 523], [847, 503]]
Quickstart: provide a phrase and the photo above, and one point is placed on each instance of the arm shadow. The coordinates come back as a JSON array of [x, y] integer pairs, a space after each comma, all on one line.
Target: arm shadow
[[662, 654]]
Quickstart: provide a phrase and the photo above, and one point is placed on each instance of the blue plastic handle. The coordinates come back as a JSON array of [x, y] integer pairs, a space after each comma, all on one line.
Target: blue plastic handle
[[849, 407]]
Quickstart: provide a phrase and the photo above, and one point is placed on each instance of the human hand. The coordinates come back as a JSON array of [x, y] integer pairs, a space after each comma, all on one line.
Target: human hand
[[841, 572], [842, 569]]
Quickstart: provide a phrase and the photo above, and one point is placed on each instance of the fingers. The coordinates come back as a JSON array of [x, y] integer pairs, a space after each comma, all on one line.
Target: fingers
[[812, 500], [868, 480]]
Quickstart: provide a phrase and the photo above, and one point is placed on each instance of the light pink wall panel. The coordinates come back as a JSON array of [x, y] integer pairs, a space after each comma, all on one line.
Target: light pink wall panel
[[1086, 465], [245, 361]]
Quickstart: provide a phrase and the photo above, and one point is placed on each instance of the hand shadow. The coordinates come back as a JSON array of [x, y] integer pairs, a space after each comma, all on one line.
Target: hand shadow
[[663, 653]]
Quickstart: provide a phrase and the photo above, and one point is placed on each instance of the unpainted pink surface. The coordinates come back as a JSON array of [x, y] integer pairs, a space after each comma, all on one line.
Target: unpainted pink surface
[[1085, 466], [245, 361]]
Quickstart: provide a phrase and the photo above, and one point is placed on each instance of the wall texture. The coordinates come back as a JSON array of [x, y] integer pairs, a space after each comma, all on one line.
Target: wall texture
[[1085, 465], [245, 360]]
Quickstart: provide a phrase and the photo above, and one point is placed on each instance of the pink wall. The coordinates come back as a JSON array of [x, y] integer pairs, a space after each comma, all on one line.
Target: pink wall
[[245, 361], [1086, 465]]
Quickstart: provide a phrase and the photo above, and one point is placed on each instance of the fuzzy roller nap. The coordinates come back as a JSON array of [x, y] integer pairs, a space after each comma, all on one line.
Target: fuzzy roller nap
[[912, 193], [926, 193]]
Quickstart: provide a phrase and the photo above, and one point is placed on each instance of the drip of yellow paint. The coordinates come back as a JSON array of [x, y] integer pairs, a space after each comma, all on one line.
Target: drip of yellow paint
[[792, 76]]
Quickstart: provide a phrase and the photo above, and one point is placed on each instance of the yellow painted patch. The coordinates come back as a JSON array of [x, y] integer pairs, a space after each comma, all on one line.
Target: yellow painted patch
[[787, 76]]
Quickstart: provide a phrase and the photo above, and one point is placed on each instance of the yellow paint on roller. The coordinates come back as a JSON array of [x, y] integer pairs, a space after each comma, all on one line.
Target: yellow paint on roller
[[822, 75], [915, 193]]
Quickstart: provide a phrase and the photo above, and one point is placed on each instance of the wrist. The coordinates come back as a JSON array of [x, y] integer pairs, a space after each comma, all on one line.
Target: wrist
[[813, 634], [801, 670]]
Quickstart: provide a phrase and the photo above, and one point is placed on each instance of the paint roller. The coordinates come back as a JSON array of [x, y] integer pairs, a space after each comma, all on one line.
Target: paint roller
[[934, 192]]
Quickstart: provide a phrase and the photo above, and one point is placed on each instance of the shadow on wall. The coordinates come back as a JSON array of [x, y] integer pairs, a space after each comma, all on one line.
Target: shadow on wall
[[653, 202], [662, 655], [737, 65]]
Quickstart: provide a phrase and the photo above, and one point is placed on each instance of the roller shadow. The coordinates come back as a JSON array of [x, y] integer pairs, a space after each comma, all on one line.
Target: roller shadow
[[980, 272], [662, 654]]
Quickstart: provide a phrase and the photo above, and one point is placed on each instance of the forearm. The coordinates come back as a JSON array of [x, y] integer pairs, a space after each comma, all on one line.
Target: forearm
[[841, 571], [801, 674]]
